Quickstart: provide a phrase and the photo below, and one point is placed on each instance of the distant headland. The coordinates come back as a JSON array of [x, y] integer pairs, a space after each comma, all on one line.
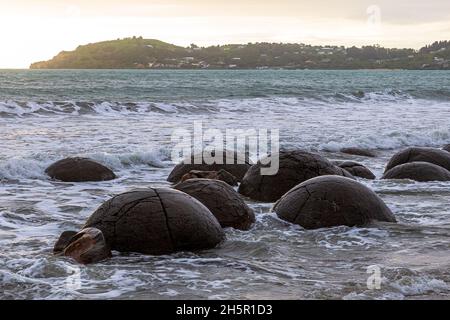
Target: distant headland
[[139, 53]]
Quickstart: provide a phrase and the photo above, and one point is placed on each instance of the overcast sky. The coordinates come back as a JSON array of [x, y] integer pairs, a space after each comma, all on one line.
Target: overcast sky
[[33, 30]]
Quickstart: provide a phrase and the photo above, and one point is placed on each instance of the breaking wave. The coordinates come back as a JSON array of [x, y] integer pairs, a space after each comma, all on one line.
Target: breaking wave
[[33, 167], [392, 140], [21, 109], [12, 108]]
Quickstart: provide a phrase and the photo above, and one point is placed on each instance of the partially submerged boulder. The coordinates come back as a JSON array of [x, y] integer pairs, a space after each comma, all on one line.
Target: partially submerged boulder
[[330, 201], [63, 241], [416, 154], [88, 246], [356, 169], [418, 171], [222, 200], [221, 175], [295, 166], [238, 167], [359, 152], [79, 170], [156, 221]]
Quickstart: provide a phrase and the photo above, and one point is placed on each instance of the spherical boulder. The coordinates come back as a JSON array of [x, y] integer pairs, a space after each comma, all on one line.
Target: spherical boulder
[[446, 147], [418, 171], [295, 166], [79, 170], [237, 167], [222, 200], [330, 201], [156, 221], [359, 152], [221, 175], [356, 169], [416, 154]]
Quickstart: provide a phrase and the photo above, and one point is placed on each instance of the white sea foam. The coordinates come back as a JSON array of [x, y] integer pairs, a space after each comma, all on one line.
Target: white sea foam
[[116, 161], [393, 140], [16, 168], [133, 140], [32, 168], [270, 104]]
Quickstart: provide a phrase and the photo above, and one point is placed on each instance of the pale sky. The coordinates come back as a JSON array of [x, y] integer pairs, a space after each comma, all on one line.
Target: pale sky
[[34, 30]]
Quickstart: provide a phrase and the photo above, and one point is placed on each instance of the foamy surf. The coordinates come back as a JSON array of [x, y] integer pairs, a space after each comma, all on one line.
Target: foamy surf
[[128, 128], [33, 167]]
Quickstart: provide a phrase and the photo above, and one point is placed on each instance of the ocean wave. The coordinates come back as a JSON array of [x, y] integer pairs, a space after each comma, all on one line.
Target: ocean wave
[[34, 167], [15, 168], [404, 283], [155, 158], [11, 108], [391, 141]]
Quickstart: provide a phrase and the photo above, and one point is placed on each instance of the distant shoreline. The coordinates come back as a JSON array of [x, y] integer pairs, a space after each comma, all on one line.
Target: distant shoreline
[[139, 53], [211, 69]]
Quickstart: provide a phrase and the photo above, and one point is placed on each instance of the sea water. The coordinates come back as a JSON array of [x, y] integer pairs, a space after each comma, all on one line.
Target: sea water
[[124, 119]]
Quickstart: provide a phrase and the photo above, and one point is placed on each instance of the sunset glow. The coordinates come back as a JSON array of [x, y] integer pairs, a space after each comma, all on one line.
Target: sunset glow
[[38, 30]]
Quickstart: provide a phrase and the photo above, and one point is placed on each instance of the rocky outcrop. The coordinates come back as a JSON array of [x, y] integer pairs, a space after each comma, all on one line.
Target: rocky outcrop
[[63, 241], [88, 246]]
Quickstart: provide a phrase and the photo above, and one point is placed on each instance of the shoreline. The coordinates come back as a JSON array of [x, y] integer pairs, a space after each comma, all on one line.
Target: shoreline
[[239, 69]]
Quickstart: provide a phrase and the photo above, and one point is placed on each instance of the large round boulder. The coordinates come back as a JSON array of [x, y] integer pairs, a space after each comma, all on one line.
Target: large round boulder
[[295, 166], [359, 152], [330, 201], [446, 147], [221, 175], [416, 154], [418, 171], [222, 200], [356, 169], [156, 221], [79, 170], [238, 166]]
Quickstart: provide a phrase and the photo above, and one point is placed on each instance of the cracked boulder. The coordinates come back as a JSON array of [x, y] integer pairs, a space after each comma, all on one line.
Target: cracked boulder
[[222, 200], [79, 170], [88, 246], [221, 175], [156, 221], [415, 154], [418, 171], [329, 201], [295, 166], [359, 152], [238, 166], [356, 169], [63, 241]]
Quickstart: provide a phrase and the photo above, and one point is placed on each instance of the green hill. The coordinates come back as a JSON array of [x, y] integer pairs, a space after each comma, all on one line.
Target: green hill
[[126, 53], [139, 53]]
